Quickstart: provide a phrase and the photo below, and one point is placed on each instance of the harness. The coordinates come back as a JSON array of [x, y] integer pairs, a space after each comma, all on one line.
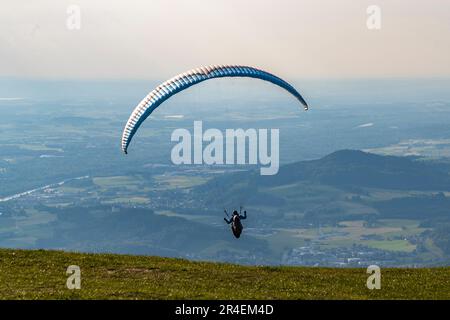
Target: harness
[[236, 226]]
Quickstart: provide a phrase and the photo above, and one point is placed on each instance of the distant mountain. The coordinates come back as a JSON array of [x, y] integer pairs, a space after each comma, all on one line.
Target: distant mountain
[[353, 168], [362, 169], [339, 186]]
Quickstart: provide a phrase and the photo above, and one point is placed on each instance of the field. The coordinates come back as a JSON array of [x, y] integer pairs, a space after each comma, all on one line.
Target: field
[[38, 274], [65, 184]]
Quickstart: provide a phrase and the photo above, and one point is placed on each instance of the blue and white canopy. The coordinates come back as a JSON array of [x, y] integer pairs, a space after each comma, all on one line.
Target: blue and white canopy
[[190, 78]]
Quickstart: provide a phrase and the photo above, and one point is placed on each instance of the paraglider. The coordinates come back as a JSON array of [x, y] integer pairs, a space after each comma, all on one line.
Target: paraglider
[[187, 79], [184, 80], [235, 221]]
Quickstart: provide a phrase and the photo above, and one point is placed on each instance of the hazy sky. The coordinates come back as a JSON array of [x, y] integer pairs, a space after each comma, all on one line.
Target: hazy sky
[[160, 38]]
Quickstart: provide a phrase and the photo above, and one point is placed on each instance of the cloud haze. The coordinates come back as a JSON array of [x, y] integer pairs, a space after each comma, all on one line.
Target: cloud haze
[[159, 38]]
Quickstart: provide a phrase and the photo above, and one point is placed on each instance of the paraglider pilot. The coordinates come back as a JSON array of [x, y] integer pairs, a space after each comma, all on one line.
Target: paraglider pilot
[[235, 220]]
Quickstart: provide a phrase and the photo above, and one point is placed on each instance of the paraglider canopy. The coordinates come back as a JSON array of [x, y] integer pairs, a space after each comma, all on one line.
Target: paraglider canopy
[[190, 78]]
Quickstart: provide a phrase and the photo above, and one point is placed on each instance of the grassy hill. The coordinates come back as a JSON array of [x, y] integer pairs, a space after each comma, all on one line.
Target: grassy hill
[[39, 274]]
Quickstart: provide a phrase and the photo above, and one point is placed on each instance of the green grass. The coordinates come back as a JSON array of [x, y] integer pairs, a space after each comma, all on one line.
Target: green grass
[[38, 147], [39, 274], [169, 182], [115, 181], [282, 239], [391, 245], [133, 200]]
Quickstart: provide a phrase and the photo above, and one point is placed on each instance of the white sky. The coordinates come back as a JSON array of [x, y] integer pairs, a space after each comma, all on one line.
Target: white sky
[[159, 38]]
